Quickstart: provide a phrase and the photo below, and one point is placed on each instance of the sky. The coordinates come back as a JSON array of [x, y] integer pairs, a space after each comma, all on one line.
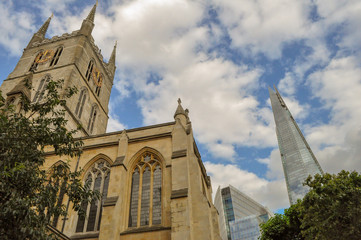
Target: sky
[[219, 57]]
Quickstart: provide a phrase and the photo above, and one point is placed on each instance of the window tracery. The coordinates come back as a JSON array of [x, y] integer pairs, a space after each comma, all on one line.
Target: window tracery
[[98, 179], [146, 187]]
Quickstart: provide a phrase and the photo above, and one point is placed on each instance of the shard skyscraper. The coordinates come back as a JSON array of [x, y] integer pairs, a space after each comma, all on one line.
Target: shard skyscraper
[[298, 161]]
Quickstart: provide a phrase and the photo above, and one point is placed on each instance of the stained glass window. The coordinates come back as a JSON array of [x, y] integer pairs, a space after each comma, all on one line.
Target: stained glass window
[[98, 179], [157, 190], [133, 215], [146, 182]]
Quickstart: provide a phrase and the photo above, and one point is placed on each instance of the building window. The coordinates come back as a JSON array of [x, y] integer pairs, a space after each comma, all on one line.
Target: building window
[[89, 71], [98, 179], [41, 89], [92, 118], [56, 57], [146, 188], [35, 64], [98, 83], [58, 169], [81, 102]]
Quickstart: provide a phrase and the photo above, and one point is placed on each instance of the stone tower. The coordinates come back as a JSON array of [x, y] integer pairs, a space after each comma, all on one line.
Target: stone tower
[[77, 60], [152, 179]]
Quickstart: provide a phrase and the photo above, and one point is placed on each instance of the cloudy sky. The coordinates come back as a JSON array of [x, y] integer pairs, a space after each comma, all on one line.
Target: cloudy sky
[[219, 57]]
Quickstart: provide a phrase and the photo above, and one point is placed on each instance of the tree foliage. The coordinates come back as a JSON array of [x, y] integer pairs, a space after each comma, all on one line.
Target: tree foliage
[[330, 210], [28, 193]]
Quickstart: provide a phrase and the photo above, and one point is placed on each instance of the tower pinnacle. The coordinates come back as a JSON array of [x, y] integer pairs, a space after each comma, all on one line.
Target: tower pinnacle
[[91, 15], [40, 34], [181, 114], [43, 29], [111, 62], [88, 23]]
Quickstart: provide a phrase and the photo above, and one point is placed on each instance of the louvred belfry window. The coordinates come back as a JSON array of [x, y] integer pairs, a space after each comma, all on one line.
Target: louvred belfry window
[[56, 57], [89, 70], [147, 188], [98, 179]]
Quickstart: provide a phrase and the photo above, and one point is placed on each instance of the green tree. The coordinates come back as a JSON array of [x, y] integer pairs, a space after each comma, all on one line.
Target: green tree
[[330, 210], [28, 193], [283, 226]]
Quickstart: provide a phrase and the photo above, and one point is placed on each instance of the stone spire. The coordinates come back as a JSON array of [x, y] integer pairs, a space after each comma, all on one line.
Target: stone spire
[[111, 62], [88, 23], [40, 34]]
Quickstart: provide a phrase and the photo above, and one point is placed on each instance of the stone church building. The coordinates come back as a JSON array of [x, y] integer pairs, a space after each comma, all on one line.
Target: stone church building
[[152, 179]]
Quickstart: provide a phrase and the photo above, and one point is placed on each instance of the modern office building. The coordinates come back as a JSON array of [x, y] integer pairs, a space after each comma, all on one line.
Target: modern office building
[[298, 161], [239, 215], [247, 228]]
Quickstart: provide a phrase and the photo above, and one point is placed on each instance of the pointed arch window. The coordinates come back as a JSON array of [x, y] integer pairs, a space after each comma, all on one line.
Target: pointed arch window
[[147, 188], [56, 56], [89, 70], [98, 179], [41, 89], [81, 102], [93, 115], [35, 63], [98, 83], [56, 172]]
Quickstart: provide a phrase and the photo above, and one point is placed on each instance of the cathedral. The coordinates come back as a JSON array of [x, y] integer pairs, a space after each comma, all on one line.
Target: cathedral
[[152, 179]]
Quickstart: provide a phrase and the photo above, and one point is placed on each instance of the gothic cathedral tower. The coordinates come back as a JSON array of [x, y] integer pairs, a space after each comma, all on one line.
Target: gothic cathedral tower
[[77, 60], [152, 179]]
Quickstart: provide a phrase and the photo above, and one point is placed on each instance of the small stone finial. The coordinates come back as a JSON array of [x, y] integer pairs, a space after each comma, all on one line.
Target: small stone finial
[[180, 109]]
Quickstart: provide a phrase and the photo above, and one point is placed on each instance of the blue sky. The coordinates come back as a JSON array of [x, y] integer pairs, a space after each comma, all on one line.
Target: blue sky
[[219, 57]]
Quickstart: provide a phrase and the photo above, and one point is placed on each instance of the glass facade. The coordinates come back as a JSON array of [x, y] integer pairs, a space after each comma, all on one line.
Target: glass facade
[[234, 209], [298, 161], [246, 228]]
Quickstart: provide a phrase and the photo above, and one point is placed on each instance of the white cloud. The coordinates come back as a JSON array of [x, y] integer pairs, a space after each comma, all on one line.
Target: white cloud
[[114, 124], [16, 28], [223, 110], [272, 194], [287, 84], [264, 26], [337, 142]]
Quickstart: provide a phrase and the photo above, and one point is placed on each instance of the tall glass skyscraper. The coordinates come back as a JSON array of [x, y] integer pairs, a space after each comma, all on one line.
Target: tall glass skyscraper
[[298, 161], [239, 215]]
